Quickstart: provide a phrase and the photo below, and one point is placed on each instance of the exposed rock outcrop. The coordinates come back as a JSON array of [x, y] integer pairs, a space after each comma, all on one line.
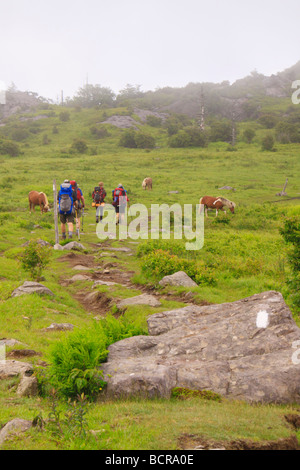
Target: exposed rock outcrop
[[241, 350]]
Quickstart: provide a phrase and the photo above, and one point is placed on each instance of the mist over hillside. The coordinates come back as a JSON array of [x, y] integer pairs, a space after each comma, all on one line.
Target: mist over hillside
[[242, 99]]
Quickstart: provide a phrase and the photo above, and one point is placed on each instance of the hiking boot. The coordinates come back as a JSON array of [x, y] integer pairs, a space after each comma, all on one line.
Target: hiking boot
[[63, 236], [97, 220]]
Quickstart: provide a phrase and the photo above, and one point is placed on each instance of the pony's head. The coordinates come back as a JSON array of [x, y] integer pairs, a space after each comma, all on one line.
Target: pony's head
[[46, 207], [231, 205]]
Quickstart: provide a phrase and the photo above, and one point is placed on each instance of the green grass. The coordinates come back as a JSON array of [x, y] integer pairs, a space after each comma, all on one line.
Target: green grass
[[244, 253]]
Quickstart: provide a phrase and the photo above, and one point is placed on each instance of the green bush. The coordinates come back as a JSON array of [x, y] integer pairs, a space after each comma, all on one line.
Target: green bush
[[75, 360], [267, 142], [79, 146], [35, 258], [9, 148], [161, 263], [291, 234]]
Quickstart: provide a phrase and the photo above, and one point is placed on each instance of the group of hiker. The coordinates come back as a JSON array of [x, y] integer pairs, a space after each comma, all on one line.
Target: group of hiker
[[71, 204]]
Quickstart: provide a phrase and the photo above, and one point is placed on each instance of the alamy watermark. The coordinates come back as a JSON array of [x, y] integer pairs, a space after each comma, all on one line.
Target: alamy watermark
[[2, 92], [163, 221], [296, 94]]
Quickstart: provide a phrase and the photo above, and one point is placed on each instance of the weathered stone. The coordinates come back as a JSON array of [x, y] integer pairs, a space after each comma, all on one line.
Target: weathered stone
[[28, 387], [178, 279], [143, 299], [14, 427], [80, 267], [59, 327], [69, 246], [80, 277], [9, 342], [31, 287], [10, 369], [216, 347]]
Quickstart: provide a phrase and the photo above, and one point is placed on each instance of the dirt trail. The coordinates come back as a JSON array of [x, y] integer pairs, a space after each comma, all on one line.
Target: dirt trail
[[106, 270]]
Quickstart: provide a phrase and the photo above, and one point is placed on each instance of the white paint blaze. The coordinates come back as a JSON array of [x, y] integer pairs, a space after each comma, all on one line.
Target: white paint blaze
[[262, 319]]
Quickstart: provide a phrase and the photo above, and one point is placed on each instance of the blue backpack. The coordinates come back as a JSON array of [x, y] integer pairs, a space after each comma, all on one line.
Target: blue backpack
[[65, 201]]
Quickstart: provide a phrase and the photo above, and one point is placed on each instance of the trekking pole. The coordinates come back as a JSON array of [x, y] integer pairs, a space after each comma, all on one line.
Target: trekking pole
[[77, 230], [82, 219]]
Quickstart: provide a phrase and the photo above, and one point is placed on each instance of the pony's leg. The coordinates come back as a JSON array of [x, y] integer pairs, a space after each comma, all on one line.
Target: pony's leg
[[206, 211], [216, 212]]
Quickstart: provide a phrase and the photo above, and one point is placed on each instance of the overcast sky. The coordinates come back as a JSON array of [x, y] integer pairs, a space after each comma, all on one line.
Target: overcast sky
[[53, 45]]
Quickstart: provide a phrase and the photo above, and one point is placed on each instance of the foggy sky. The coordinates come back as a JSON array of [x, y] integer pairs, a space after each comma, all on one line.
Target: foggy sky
[[53, 45]]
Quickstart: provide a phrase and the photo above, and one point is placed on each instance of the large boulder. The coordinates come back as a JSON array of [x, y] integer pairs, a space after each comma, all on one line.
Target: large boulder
[[143, 299], [31, 287], [178, 279], [241, 350], [14, 428], [12, 368]]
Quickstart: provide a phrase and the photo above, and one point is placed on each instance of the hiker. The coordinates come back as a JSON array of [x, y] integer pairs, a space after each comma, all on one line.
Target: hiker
[[119, 205], [78, 204], [98, 196], [66, 208]]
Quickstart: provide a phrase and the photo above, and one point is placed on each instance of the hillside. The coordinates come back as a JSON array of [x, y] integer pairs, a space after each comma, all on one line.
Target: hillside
[[243, 254]]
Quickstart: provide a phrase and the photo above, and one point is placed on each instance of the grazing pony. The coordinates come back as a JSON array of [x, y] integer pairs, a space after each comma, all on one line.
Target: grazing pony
[[38, 199], [147, 183], [215, 203]]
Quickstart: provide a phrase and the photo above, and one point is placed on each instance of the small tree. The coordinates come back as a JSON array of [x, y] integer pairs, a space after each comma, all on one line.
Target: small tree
[[79, 146], [35, 258], [268, 142], [248, 135]]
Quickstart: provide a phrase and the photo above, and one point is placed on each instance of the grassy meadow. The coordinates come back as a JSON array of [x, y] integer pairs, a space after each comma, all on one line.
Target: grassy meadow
[[243, 254]]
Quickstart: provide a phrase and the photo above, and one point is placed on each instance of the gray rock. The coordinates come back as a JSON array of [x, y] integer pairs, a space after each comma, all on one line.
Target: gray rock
[[178, 279], [58, 247], [14, 427], [10, 369], [59, 327], [28, 387], [9, 342], [69, 246], [80, 267], [225, 348], [143, 299], [31, 287], [80, 277]]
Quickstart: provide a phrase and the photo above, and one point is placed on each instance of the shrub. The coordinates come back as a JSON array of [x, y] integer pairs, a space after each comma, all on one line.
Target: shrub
[[144, 141], [74, 362], [79, 146], [64, 116], [35, 258], [153, 121], [128, 139], [248, 135], [9, 148], [161, 263], [267, 142], [180, 140], [76, 359], [291, 234]]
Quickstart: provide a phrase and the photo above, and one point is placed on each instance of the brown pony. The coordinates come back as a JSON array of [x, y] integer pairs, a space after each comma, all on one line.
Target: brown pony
[[38, 199], [147, 183], [215, 203]]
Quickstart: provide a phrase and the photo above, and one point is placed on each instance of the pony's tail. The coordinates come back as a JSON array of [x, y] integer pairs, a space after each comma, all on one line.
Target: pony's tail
[[200, 207]]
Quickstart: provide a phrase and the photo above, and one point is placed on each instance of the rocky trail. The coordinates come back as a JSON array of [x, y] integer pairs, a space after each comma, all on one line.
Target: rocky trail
[[103, 268]]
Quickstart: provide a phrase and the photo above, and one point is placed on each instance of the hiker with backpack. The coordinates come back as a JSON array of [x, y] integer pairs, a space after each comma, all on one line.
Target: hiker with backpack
[[119, 204], [79, 204], [98, 196], [66, 208]]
